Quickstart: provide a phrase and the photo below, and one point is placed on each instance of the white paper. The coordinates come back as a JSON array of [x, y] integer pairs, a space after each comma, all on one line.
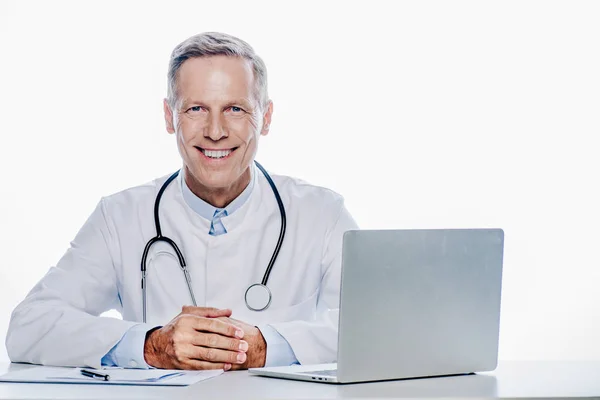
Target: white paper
[[154, 377]]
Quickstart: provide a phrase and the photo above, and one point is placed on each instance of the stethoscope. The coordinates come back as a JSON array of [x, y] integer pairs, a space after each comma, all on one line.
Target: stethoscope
[[257, 296]]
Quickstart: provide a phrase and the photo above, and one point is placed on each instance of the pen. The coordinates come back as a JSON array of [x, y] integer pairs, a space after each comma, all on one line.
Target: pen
[[95, 375]]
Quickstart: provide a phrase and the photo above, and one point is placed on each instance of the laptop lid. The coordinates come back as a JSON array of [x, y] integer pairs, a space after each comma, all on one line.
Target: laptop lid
[[419, 303]]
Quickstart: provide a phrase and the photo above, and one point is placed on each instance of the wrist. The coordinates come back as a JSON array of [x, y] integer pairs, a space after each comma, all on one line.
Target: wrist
[[150, 347], [261, 353]]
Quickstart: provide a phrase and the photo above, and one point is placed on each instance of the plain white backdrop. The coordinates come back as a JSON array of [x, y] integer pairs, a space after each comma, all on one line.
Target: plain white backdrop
[[422, 114]]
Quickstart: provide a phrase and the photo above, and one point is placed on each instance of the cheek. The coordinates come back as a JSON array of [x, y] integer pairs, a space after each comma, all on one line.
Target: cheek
[[181, 146], [242, 129], [188, 130], [249, 150], [185, 138]]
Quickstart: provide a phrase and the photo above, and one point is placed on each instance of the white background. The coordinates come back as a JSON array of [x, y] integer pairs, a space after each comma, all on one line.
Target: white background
[[422, 114]]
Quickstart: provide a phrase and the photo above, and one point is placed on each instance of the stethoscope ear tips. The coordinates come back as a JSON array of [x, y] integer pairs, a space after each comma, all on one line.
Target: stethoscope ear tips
[[258, 297]]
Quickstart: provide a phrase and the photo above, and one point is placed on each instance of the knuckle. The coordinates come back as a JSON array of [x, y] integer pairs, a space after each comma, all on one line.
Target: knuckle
[[177, 336], [234, 344], [209, 355], [177, 353], [212, 324], [212, 341]]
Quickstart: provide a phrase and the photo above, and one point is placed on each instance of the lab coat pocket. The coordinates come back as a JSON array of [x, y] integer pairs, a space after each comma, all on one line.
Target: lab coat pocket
[[306, 310]]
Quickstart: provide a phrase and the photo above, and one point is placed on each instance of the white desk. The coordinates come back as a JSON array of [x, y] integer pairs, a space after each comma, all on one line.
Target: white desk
[[510, 380]]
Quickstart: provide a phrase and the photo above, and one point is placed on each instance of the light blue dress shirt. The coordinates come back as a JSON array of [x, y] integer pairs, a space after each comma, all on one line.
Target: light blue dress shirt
[[129, 351]]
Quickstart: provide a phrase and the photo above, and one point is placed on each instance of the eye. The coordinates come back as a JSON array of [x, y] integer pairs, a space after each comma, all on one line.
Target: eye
[[236, 109], [195, 108]]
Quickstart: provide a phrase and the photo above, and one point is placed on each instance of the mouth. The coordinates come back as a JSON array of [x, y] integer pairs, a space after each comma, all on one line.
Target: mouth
[[216, 154]]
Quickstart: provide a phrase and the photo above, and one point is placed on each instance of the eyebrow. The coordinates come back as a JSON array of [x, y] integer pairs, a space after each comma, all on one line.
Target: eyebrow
[[230, 103]]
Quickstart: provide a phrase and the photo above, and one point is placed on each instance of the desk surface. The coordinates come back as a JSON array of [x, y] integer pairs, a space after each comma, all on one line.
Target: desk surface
[[511, 379]]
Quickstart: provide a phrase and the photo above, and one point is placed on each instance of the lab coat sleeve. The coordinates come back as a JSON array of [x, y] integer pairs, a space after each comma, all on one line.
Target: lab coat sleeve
[[129, 351], [279, 351], [315, 342], [58, 323]]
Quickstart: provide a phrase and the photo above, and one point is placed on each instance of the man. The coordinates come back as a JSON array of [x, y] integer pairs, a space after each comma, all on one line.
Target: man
[[223, 215]]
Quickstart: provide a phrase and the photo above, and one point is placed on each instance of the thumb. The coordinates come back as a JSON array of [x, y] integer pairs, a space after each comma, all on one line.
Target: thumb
[[207, 312]]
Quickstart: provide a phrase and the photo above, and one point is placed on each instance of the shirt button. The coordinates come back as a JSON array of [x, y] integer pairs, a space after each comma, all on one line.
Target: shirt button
[[133, 364]]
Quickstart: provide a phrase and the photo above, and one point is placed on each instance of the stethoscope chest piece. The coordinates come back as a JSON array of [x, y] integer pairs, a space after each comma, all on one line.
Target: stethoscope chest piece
[[258, 297]]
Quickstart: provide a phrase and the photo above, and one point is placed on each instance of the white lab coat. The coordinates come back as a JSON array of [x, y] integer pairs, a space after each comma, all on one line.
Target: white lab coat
[[58, 322]]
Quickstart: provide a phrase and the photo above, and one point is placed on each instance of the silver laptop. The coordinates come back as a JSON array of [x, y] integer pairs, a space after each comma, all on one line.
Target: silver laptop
[[413, 303]]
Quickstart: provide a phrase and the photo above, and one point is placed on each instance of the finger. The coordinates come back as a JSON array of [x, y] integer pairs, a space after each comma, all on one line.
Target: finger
[[204, 365], [208, 312], [215, 355], [232, 321], [211, 325], [237, 367], [219, 342]]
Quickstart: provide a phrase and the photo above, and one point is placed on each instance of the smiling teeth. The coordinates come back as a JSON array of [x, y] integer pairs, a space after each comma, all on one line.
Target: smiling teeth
[[216, 153]]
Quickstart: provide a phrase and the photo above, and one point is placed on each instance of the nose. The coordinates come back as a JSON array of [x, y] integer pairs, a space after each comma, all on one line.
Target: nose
[[215, 129]]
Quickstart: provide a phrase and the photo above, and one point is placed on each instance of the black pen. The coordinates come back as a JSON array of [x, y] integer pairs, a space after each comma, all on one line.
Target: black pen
[[95, 375]]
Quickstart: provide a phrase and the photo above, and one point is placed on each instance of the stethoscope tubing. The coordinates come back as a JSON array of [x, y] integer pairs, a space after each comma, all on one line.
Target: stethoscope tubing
[[160, 238], [282, 228]]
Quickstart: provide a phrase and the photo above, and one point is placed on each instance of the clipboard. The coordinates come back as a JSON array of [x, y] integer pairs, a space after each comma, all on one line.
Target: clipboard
[[118, 376]]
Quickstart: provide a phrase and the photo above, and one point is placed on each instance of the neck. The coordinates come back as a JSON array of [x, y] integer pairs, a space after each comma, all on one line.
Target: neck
[[217, 197]]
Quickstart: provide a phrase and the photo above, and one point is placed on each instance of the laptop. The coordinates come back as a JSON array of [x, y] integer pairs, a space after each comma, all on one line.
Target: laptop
[[413, 304]]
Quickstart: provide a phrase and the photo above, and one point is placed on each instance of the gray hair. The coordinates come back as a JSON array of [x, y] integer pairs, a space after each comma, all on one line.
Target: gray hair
[[213, 44]]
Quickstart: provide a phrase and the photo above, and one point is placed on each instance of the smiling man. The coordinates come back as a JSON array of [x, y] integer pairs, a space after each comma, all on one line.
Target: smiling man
[[182, 258]]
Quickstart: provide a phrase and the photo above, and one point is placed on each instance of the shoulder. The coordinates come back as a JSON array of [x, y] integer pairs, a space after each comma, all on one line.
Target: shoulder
[[140, 196], [302, 194]]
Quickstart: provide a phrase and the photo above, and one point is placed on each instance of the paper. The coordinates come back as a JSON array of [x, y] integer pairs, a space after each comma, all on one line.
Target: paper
[[153, 377]]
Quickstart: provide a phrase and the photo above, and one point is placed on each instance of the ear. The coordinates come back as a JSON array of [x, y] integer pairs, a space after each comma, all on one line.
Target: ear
[[267, 119], [168, 117]]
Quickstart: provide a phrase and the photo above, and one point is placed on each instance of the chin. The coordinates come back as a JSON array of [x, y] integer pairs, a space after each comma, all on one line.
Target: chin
[[216, 179]]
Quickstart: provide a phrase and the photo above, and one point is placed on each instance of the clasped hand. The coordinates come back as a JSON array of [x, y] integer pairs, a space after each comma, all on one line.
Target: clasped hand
[[205, 338]]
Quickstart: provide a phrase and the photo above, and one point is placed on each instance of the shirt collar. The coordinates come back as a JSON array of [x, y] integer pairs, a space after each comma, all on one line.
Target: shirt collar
[[208, 211]]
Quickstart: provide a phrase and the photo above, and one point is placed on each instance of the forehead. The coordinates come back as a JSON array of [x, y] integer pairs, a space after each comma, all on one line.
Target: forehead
[[215, 78]]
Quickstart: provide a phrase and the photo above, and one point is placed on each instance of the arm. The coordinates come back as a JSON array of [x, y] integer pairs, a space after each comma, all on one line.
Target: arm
[[315, 342], [306, 342], [58, 323], [129, 351]]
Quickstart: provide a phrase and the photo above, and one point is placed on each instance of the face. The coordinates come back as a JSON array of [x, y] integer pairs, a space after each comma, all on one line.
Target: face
[[217, 121]]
